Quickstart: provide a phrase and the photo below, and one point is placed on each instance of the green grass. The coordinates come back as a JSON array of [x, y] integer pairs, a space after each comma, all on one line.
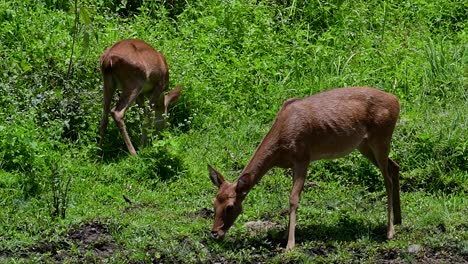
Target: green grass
[[238, 61]]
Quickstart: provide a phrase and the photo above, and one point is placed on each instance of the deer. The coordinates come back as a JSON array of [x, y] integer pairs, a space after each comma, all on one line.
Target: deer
[[139, 71], [326, 125]]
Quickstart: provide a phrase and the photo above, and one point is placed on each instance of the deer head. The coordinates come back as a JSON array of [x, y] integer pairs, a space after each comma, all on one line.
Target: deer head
[[228, 202]]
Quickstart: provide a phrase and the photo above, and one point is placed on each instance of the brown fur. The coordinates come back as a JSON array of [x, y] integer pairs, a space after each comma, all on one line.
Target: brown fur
[[139, 71], [326, 125]]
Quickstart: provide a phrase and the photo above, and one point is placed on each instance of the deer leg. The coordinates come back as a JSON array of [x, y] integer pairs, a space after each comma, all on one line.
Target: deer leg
[[383, 165], [129, 94], [378, 155], [300, 171], [394, 169], [108, 90]]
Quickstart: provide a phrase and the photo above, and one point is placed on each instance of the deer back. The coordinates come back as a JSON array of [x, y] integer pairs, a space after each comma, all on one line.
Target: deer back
[[333, 123], [134, 59]]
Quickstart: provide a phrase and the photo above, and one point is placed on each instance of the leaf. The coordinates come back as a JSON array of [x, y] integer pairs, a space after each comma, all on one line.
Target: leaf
[[58, 94], [25, 66], [85, 42], [84, 15]]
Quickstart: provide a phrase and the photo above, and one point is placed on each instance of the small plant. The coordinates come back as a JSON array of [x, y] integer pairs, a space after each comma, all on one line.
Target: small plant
[[164, 159], [59, 183], [18, 146], [20, 152]]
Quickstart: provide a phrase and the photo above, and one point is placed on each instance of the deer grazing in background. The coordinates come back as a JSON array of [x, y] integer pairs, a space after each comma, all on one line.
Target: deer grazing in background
[[327, 125], [139, 71]]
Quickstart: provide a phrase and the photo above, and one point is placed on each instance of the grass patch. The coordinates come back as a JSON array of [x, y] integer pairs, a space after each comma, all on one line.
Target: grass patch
[[238, 61]]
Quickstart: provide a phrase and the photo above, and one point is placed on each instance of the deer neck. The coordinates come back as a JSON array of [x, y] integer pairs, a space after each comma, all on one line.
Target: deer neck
[[262, 160]]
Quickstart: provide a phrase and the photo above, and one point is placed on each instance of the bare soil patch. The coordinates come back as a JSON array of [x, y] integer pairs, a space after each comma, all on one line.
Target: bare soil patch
[[203, 213], [90, 242], [94, 237], [447, 254]]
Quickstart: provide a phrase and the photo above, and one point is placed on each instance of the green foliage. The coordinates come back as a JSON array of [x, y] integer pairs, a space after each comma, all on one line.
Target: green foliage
[[59, 183], [18, 148], [22, 152], [163, 160], [58, 4], [237, 61]]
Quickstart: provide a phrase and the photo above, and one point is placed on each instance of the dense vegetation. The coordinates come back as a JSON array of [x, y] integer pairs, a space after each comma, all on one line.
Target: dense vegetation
[[61, 196]]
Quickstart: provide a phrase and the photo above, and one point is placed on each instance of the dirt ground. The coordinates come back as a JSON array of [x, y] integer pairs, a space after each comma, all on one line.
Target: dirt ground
[[91, 242]]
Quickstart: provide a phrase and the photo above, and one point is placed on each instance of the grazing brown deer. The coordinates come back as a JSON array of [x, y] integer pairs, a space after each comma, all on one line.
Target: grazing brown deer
[[327, 125], [139, 71]]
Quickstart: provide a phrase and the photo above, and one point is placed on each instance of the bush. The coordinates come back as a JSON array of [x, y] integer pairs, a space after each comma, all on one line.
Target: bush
[[164, 159]]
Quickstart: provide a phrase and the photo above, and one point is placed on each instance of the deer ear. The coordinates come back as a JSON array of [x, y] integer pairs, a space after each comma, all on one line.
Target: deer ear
[[171, 97], [215, 177], [243, 184]]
